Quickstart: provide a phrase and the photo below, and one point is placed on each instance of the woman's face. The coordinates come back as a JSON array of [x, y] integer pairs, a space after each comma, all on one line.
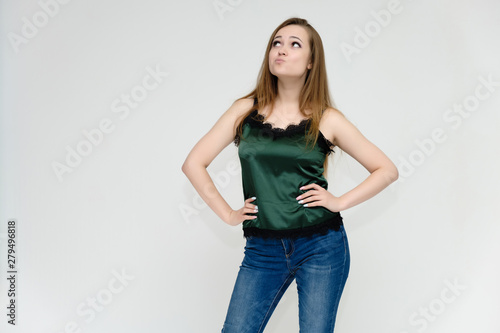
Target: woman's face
[[290, 52]]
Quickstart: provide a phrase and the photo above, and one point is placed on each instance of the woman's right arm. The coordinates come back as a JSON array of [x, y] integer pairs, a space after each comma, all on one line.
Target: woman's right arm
[[204, 152]]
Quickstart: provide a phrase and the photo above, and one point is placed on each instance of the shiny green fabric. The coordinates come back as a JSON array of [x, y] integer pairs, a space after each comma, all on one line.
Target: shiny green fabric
[[275, 163]]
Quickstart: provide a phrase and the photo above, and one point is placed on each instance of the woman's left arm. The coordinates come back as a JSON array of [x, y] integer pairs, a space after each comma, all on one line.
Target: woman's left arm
[[348, 138]]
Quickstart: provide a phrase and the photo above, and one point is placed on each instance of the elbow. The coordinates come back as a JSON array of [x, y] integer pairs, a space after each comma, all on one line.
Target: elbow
[[186, 167], [189, 165], [389, 173], [393, 173]]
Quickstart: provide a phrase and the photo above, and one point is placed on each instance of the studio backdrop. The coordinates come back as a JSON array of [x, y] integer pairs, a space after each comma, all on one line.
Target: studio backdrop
[[101, 101]]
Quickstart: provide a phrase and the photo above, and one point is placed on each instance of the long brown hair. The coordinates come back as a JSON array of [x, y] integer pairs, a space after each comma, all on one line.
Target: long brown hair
[[314, 95]]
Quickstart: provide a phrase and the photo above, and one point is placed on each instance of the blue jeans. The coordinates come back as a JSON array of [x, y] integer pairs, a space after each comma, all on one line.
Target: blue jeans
[[320, 265]]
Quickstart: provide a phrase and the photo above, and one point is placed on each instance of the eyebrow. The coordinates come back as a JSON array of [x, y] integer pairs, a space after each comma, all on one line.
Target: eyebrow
[[290, 37]]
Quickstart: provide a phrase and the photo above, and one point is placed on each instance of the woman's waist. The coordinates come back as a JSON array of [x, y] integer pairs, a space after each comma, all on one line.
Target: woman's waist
[[288, 214]]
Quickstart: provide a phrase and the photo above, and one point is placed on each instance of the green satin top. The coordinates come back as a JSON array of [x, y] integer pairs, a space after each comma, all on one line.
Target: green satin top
[[275, 163]]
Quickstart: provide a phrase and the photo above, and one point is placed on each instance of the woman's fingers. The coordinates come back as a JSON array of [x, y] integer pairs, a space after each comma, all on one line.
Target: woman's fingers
[[249, 205], [310, 199], [249, 208], [310, 189], [313, 201], [318, 196], [310, 186], [308, 194], [244, 213], [315, 195], [249, 211], [250, 199]]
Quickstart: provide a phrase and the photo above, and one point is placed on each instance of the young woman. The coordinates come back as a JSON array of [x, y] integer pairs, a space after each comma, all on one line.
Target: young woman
[[285, 129]]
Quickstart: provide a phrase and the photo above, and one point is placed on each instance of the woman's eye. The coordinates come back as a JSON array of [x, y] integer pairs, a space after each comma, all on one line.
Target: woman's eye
[[275, 43]]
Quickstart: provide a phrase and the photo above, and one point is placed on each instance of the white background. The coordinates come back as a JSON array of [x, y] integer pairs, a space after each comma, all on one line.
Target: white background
[[126, 208]]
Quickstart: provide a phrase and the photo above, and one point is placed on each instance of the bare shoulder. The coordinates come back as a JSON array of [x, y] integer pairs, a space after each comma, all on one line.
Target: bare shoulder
[[228, 122], [331, 115], [233, 115], [240, 106], [331, 122]]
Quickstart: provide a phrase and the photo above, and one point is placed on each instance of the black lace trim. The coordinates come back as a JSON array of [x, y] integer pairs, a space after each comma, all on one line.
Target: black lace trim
[[318, 229], [257, 120], [325, 144]]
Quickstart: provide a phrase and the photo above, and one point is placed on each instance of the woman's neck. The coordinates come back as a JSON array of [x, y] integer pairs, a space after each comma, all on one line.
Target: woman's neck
[[287, 99]]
